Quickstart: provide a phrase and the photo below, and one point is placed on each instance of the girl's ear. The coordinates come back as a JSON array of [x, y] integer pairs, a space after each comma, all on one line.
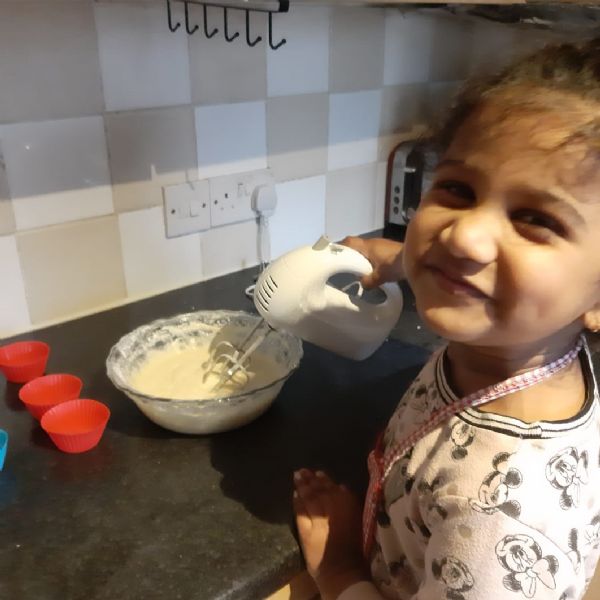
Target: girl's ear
[[591, 319]]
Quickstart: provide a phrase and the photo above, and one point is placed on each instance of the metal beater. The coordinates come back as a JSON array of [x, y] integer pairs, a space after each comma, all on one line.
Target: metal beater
[[230, 360]]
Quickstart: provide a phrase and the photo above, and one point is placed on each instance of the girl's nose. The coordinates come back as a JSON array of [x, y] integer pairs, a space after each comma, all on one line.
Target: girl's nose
[[472, 235]]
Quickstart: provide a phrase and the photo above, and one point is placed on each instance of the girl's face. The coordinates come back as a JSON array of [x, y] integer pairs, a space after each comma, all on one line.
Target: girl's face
[[505, 247]]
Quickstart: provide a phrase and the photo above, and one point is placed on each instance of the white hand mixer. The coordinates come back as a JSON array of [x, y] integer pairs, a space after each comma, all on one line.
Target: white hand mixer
[[293, 294]]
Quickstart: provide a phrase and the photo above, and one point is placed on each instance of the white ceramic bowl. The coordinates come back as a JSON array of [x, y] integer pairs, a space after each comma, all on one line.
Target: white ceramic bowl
[[202, 415]]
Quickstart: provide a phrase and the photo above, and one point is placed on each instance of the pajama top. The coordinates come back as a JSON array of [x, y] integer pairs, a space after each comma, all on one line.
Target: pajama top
[[487, 507]]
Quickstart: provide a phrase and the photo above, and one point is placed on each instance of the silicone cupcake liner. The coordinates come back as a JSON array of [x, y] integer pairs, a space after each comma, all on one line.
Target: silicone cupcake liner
[[42, 393], [23, 361], [76, 425]]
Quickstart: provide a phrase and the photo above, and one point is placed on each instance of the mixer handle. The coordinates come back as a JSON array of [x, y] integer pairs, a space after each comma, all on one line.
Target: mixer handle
[[342, 259], [348, 260]]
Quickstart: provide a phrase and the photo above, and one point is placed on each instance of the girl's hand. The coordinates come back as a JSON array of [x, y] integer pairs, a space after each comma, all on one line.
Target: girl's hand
[[385, 256], [328, 517]]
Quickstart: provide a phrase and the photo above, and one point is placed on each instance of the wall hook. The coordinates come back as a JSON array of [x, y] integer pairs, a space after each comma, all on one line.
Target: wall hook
[[170, 18], [226, 32], [258, 39], [214, 31], [187, 21], [279, 44]]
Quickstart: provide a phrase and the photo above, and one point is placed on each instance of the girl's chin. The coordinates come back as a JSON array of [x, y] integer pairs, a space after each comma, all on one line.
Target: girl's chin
[[454, 327]]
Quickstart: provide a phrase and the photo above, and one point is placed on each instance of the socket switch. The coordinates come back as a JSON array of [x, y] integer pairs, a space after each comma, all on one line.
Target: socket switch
[[186, 208], [231, 196]]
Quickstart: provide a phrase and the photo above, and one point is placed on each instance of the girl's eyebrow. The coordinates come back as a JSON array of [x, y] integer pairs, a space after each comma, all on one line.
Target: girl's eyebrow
[[558, 198]]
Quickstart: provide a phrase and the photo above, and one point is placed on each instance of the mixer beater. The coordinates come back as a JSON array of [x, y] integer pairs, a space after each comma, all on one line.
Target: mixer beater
[[231, 362]]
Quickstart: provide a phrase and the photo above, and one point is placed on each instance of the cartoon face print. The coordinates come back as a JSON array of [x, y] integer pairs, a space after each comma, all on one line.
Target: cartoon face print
[[426, 398], [379, 569], [574, 554], [403, 577], [419, 529], [591, 534], [399, 483], [568, 471], [495, 489], [455, 575], [433, 512], [522, 556], [461, 436]]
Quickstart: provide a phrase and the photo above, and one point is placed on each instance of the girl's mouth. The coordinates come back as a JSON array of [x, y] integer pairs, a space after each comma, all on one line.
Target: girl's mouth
[[455, 285]]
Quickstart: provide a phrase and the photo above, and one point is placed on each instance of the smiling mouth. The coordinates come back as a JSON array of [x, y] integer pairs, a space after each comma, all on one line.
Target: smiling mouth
[[455, 286]]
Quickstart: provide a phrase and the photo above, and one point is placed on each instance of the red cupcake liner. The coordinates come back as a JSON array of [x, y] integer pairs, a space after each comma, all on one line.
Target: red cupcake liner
[[23, 361], [43, 393], [76, 425]]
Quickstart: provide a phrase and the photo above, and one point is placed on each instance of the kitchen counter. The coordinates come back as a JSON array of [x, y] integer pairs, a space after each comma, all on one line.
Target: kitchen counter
[[152, 514]]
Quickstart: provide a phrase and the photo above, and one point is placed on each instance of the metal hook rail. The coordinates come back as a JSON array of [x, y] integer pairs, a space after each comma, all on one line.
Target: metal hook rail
[[268, 6]]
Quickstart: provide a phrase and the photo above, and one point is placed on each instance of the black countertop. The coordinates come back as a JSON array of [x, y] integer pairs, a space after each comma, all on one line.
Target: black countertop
[[150, 514]]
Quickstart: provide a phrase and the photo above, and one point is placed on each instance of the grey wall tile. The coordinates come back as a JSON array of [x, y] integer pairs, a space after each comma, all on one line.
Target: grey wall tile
[[72, 268], [402, 106], [49, 65], [143, 64], [224, 72], [452, 44], [440, 97], [148, 149], [7, 216], [297, 129], [492, 47], [357, 43]]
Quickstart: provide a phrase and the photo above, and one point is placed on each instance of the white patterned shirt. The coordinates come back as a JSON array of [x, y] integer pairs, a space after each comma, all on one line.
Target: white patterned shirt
[[487, 507]]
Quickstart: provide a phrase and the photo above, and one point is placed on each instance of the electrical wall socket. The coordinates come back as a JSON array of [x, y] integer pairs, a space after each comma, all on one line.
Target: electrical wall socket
[[230, 196], [186, 208]]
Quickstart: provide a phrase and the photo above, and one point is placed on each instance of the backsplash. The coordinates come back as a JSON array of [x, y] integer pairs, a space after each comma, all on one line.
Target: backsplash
[[101, 105]]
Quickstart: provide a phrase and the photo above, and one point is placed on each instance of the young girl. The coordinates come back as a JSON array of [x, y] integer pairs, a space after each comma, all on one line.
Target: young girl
[[499, 502]]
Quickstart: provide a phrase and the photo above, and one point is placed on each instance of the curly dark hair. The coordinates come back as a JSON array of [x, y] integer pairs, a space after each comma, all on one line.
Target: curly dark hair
[[568, 67]]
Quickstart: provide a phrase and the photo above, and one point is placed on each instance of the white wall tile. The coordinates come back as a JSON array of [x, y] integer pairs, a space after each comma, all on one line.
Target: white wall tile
[[353, 128], [408, 47], [223, 72], [143, 64], [299, 218], [300, 66], [351, 201], [152, 262], [72, 268], [57, 170], [356, 45], [231, 138], [14, 316], [230, 248]]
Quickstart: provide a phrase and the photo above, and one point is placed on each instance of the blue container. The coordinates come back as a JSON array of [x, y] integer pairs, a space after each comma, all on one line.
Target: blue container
[[3, 446]]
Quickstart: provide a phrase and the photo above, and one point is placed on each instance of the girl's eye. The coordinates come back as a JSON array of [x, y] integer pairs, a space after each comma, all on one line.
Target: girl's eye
[[455, 191], [538, 223]]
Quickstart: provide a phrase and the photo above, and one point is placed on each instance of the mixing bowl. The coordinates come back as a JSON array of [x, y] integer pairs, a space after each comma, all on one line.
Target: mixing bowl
[[201, 328]]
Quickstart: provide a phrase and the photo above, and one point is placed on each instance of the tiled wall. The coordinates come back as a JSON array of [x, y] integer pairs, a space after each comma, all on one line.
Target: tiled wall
[[100, 106]]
